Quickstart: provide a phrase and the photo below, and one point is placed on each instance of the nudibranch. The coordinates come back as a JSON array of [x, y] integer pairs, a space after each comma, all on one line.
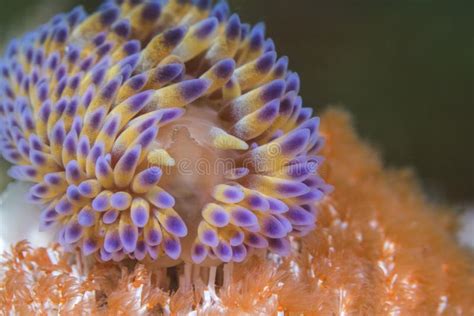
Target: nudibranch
[[161, 130]]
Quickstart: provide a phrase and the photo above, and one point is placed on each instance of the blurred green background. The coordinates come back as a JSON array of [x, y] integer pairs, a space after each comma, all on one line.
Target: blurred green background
[[404, 69]]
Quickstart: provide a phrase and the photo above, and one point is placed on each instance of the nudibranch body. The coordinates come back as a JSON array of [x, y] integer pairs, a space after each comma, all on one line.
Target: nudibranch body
[[161, 130]]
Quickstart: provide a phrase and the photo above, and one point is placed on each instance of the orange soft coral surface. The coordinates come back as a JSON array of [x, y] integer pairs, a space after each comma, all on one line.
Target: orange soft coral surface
[[379, 248]]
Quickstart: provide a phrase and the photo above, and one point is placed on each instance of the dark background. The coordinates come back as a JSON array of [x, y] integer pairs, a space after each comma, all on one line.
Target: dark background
[[404, 69]]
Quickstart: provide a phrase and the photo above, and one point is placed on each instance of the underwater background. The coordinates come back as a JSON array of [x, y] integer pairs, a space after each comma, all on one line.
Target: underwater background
[[403, 69]]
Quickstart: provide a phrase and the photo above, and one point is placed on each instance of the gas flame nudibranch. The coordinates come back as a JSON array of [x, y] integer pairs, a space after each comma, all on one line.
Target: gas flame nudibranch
[[163, 130]]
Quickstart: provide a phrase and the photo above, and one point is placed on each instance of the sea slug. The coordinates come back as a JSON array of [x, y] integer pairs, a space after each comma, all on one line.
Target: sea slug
[[161, 130]]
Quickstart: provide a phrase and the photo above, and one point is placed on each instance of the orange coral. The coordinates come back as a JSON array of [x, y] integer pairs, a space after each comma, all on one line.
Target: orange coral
[[379, 248]]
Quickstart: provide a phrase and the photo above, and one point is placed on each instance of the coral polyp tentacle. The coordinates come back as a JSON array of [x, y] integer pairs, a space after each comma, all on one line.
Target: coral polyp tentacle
[[160, 129]]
